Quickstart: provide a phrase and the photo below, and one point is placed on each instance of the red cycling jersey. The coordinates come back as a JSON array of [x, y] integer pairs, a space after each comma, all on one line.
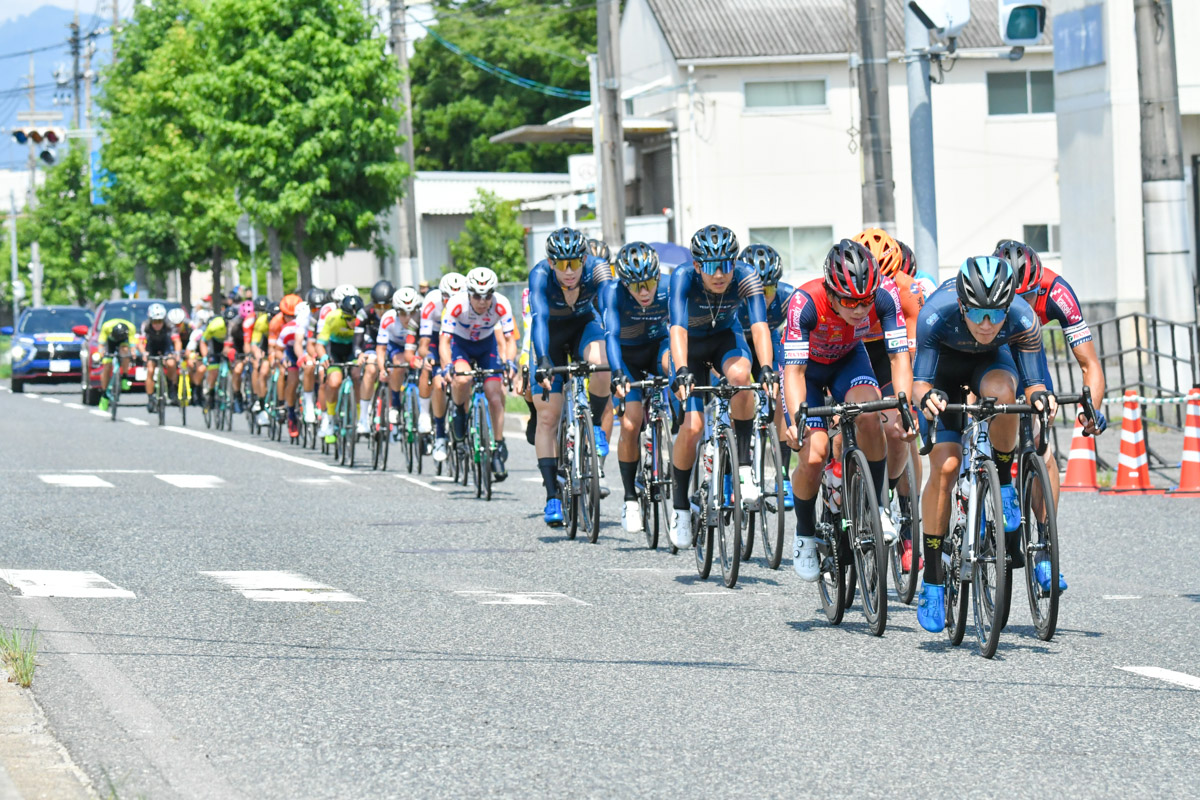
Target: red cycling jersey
[[815, 331]]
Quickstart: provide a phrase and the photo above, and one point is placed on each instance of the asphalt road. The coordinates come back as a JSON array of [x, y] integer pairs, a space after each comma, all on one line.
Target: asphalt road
[[415, 666]]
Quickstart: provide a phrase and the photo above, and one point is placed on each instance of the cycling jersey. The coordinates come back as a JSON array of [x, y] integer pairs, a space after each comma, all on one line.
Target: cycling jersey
[[1055, 301], [339, 329], [461, 320], [776, 309], [816, 332], [107, 327], [431, 314], [274, 328], [319, 318], [926, 282], [397, 333], [216, 330], [290, 332], [237, 335], [260, 330], [910, 297], [627, 323], [371, 324], [547, 300], [703, 313], [159, 341]]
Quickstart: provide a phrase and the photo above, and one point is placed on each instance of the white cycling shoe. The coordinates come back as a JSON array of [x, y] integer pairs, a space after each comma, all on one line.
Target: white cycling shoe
[[890, 535], [750, 491], [364, 425], [310, 416], [805, 560], [262, 419], [439, 449], [631, 516], [424, 423], [681, 528], [393, 416], [326, 428]]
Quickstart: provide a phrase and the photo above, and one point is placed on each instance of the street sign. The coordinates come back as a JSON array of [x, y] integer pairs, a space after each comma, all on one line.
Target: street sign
[[244, 230], [131, 288]]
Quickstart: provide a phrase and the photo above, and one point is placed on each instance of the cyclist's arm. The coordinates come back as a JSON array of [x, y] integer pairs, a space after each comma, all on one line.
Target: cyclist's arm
[[1063, 305], [444, 349], [801, 319], [888, 308], [681, 284], [540, 308], [1026, 344], [612, 327], [508, 330]]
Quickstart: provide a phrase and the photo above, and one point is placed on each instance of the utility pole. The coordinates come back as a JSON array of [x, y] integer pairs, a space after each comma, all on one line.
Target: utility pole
[[88, 52], [920, 142], [35, 266], [76, 75], [116, 9], [878, 188], [406, 208], [12, 219], [610, 157]]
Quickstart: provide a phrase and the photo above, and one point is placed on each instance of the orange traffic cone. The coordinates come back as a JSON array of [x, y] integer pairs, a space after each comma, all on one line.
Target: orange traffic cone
[[1133, 471], [1189, 475], [1081, 466]]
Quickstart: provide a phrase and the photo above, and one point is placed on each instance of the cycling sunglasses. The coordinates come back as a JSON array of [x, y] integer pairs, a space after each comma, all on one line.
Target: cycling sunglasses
[[712, 267], [644, 286], [982, 315], [847, 302], [488, 296], [567, 264]]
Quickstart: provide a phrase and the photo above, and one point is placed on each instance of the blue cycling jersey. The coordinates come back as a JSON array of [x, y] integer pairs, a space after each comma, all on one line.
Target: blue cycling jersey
[[776, 311], [628, 323], [546, 299], [941, 327], [703, 313]]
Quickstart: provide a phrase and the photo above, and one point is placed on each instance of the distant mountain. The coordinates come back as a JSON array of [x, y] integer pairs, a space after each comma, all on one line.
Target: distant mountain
[[46, 26]]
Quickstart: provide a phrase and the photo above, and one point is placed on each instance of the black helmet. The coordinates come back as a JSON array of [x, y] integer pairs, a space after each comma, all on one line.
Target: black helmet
[[714, 243], [636, 262], [231, 313], [764, 259], [273, 310], [566, 243], [851, 271], [261, 304], [119, 333], [351, 305], [600, 250], [382, 291], [316, 298], [985, 282]]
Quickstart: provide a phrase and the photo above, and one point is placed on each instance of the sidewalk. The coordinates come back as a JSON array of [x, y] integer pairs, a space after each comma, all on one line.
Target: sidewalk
[[32, 762]]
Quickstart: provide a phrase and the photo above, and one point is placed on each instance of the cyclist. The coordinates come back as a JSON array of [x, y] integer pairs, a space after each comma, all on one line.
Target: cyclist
[[468, 338], [214, 343], [562, 289], [114, 335], [431, 391], [158, 338], [380, 304], [316, 300], [706, 337], [286, 341], [199, 322], [396, 344], [259, 349], [776, 294], [636, 311], [961, 336], [823, 349], [340, 339], [908, 265], [239, 322]]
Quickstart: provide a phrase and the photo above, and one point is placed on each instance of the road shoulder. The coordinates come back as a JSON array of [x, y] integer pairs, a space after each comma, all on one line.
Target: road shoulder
[[32, 762]]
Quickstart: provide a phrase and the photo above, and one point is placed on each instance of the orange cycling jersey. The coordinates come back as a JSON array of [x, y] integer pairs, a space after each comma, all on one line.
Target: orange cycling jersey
[[273, 329], [911, 301]]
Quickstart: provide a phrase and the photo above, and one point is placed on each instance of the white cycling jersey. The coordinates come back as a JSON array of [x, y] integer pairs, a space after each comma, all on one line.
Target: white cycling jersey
[[462, 320], [193, 343], [431, 314], [395, 330], [318, 320]]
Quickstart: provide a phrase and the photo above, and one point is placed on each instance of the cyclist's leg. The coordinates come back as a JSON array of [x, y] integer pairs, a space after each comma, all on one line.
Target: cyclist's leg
[[855, 383], [639, 360], [591, 349], [308, 379], [954, 370], [460, 388], [149, 384], [999, 379], [702, 353], [565, 338], [366, 388], [734, 364]]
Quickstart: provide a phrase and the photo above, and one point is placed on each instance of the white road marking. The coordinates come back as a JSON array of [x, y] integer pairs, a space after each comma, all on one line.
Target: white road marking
[[443, 478], [33, 395], [411, 479], [271, 586], [338, 479], [260, 450], [77, 481], [710, 594], [192, 481], [1168, 675], [534, 479], [1122, 597], [487, 597], [62, 583], [634, 569], [100, 413], [54, 400], [134, 421], [73, 405], [114, 471]]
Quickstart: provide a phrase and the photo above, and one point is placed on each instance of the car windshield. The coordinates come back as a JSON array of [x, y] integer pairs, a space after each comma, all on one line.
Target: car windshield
[[134, 312], [54, 320]]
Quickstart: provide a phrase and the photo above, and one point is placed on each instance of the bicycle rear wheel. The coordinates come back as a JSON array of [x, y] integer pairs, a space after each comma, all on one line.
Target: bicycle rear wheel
[[771, 519], [658, 480], [1039, 540], [989, 570], [160, 394], [866, 539], [383, 426], [833, 569], [114, 389], [906, 514], [729, 518], [589, 476], [184, 395]]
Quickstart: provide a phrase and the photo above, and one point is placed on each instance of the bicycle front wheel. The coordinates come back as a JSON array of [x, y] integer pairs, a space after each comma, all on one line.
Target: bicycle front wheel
[[589, 477], [906, 514], [771, 517], [567, 488], [483, 421], [834, 569], [989, 572], [658, 480], [728, 508], [866, 540], [958, 591], [1039, 541], [702, 531], [114, 390], [160, 395]]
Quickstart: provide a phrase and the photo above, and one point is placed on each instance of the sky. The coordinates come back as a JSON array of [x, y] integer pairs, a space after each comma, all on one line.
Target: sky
[[11, 9]]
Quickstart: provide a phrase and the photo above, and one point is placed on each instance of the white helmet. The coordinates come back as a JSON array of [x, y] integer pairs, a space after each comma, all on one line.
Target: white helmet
[[203, 317], [343, 291], [176, 316], [302, 309], [451, 282], [481, 281], [406, 299], [157, 312]]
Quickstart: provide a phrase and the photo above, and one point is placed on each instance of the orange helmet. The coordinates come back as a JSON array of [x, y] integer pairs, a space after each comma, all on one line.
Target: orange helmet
[[883, 247], [287, 305]]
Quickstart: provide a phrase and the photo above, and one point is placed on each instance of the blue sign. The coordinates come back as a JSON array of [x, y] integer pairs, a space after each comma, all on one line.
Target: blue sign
[[1079, 38], [101, 180], [131, 288]]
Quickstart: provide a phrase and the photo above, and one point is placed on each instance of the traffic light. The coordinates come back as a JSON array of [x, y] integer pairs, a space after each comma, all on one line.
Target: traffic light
[[1022, 21], [946, 18], [47, 138]]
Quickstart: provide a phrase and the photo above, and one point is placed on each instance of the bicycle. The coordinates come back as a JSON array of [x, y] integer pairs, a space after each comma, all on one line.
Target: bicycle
[[406, 431], [857, 518], [344, 412], [380, 437], [183, 389], [578, 463], [480, 434], [904, 507], [765, 514], [160, 388], [654, 462], [115, 383]]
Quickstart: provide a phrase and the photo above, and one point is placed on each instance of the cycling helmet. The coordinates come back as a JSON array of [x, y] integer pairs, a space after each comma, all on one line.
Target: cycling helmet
[[1025, 262], [985, 282], [119, 333], [908, 259], [600, 250], [764, 259], [406, 299], [481, 282], [203, 317], [176, 315], [231, 313], [351, 305], [273, 311], [566, 243], [382, 291], [714, 243], [287, 306], [316, 297], [851, 271], [637, 262], [247, 308], [451, 283], [261, 304], [156, 312], [883, 247], [342, 291]]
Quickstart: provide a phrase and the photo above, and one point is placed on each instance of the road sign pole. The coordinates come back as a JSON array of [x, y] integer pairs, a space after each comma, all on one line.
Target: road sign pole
[[12, 220], [253, 266]]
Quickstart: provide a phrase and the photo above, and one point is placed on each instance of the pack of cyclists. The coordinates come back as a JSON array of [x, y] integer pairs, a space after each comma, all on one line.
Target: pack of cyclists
[[871, 326]]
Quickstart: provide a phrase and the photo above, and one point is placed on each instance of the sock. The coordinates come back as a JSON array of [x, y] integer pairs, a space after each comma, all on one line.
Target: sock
[[291, 411], [1004, 462], [460, 421], [598, 405], [894, 482], [311, 399], [785, 458], [682, 478], [423, 404], [395, 399], [628, 476], [933, 559], [743, 429], [878, 474], [364, 409], [439, 427], [549, 469], [329, 407], [806, 511]]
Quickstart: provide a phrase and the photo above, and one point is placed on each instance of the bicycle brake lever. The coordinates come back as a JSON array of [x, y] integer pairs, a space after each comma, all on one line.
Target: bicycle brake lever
[[905, 414]]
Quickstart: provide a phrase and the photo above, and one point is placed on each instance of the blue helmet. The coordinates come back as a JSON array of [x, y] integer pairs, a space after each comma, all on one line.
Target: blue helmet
[[985, 282], [713, 243], [566, 243], [637, 262], [764, 259]]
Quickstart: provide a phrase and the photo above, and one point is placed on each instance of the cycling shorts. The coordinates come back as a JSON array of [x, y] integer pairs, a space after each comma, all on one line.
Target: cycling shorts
[[838, 378], [159, 346], [642, 361], [215, 351], [568, 339], [959, 373], [339, 352], [111, 348], [708, 354], [480, 354], [290, 359]]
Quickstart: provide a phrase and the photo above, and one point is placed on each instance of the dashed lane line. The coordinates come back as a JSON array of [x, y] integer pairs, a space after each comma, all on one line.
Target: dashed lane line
[[53, 400], [411, 479], [263, 451], [63, 583], [1168, 675], [98, 413], [76, 481], [271, 586], [77, 406], [192, 481], [134, 421]]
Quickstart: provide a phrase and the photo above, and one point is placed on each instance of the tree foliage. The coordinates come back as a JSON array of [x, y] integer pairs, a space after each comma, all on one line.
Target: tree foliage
[[492, 237], [457, 107]]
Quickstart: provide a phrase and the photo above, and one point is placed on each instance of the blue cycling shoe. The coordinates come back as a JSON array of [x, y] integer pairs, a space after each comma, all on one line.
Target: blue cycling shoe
[[601, 441], [553, 515], [1011, 508], [1042, 572], [931, 608], [789, 500]]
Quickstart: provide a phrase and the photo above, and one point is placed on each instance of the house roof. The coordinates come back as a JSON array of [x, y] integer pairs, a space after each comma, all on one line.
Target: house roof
[[697, 29], [452, 192]]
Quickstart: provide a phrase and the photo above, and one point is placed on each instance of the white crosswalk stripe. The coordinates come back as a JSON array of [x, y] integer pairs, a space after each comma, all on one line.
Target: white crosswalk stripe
[[1168, 675], [97, 412], [192, 481], [135, 421], [63, 583], [280, 587], [77, 481]]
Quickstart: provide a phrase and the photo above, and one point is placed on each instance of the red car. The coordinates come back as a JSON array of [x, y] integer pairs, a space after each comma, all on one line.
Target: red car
[[135, 312]]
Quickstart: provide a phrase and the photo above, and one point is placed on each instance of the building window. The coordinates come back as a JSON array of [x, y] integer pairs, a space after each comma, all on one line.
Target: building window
[[1030, 92], [803, 249], [1042, 238], [785, 94]]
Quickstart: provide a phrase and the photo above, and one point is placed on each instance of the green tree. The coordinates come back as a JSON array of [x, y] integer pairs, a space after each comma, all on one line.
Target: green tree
[[492, 237], [457, 107]]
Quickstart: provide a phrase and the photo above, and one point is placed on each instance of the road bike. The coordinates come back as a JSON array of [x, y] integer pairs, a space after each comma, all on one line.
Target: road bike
[[765, 515], [381, 430], [654, 457], [183, 389], [578, 463], [481, 437], [406, 431], [344, 416], [116, 382], [159, 393]]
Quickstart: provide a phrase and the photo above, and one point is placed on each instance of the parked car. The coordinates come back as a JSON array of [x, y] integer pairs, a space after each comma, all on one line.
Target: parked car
[[135, 312], [44, 348]]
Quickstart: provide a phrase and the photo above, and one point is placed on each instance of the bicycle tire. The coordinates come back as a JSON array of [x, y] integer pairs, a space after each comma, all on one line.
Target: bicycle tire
[[906, 508], [383, 409], [660, 484], [702, 532], [833, 572], [1039, 537], [958, 591], [589, 476], [729, 520], [352, 436], [751, 516], [772, 519], [485, 449], [184, 395], [408, 435], [114, 390], [870, 554], [989, 587], [566, 480], [160, 395]]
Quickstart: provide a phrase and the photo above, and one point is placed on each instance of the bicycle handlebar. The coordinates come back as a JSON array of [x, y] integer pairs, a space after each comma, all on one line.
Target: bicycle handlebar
[[571, 370], [653, 383]]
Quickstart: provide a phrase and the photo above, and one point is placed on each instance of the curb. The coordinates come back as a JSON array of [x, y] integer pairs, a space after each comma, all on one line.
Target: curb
[[32, 762]]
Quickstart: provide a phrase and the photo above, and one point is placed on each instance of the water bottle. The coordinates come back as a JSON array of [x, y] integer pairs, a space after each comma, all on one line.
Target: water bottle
[[833, 482], [708, 457]]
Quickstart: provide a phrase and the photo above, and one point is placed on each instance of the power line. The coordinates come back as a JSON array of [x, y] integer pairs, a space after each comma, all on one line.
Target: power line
[[66, 43]]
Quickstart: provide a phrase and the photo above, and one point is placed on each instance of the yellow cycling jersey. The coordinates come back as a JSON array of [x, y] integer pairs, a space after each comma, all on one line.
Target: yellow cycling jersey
[[258, 335], [107, 327], [337, 328], [216, 331]]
